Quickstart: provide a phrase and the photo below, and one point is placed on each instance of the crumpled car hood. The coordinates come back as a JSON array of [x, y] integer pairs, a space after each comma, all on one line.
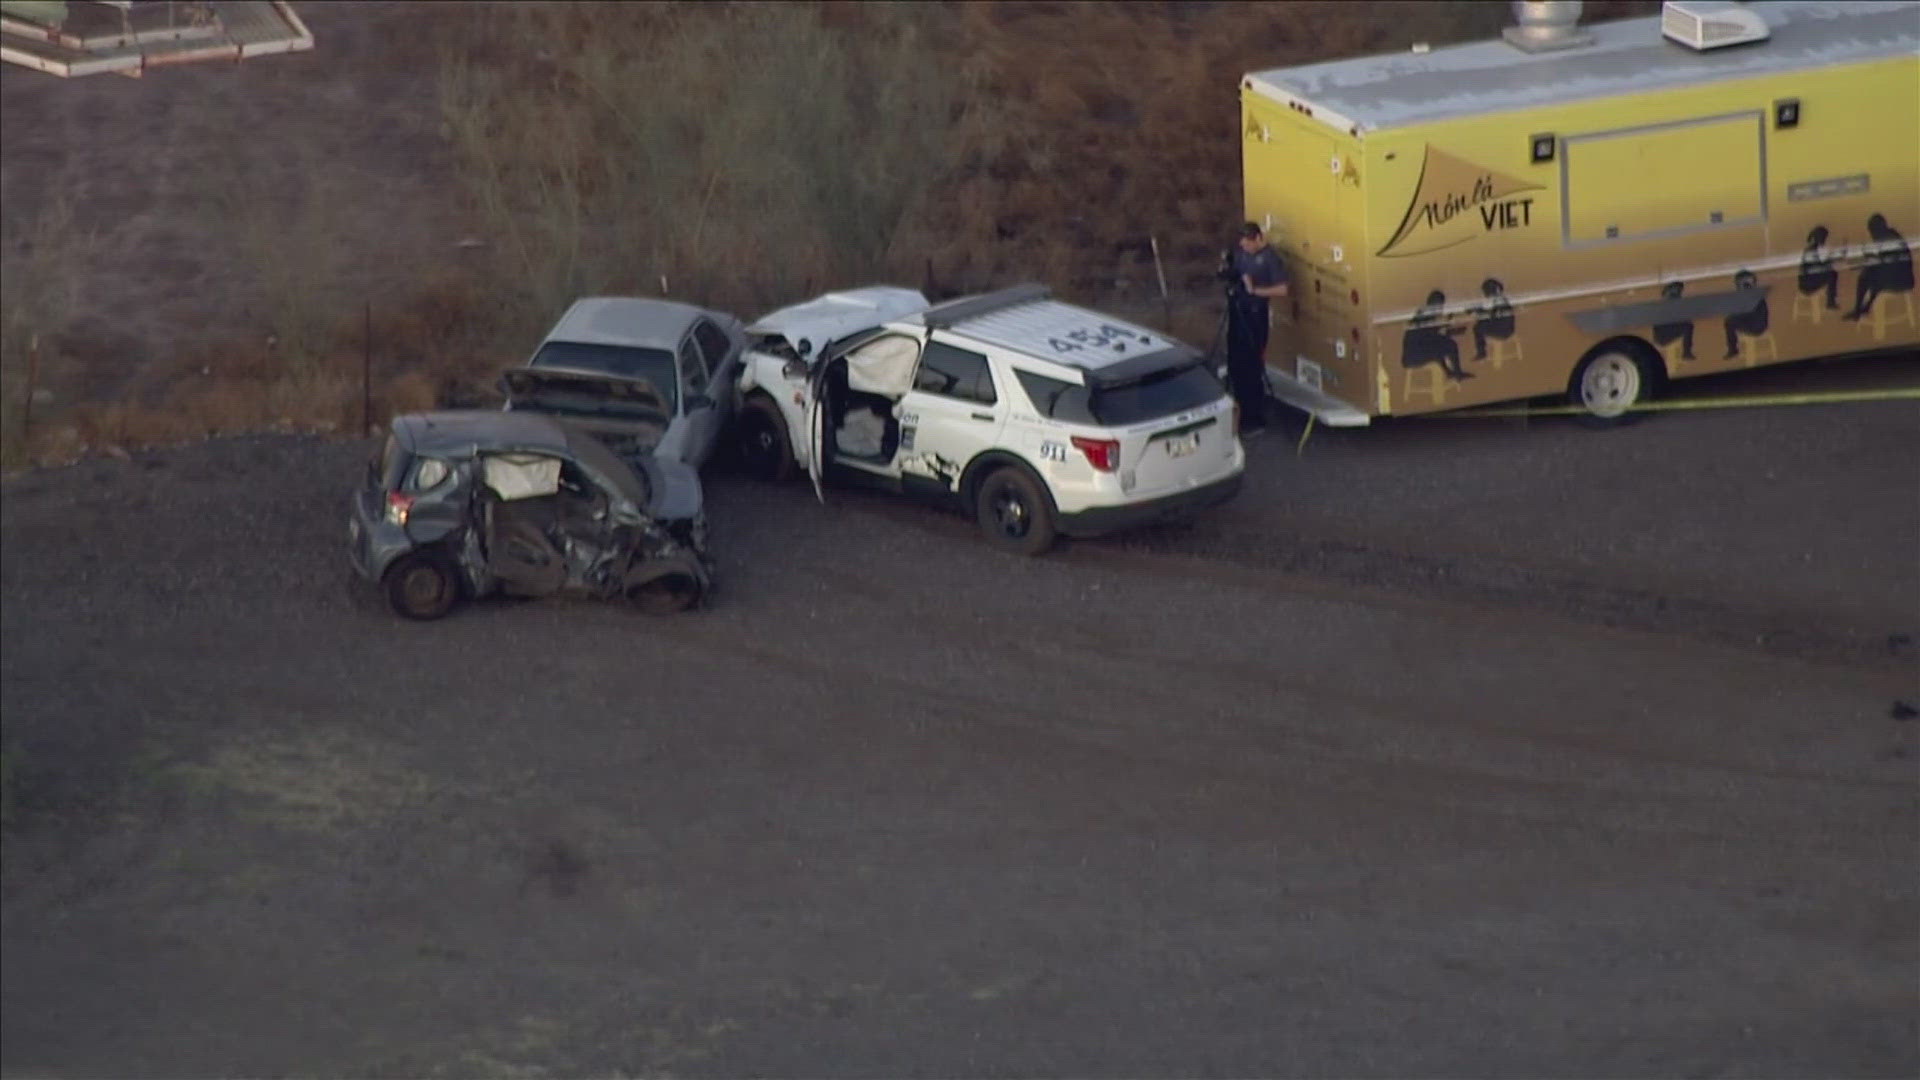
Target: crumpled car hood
[[675, 488], [837, 314], [562, 391]]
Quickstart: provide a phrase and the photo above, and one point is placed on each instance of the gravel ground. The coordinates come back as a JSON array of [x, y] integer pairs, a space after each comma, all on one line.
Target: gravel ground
[[1451, 748]]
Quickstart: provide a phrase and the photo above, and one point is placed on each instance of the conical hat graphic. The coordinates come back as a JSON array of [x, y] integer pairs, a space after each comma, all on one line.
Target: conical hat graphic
[[1443, 210]]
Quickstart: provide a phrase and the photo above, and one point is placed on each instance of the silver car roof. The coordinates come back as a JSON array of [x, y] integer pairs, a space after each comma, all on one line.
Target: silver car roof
[[625, 320]]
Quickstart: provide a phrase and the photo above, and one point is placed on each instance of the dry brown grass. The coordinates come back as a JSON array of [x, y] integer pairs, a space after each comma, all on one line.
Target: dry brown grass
[[957, 147], [318, 398], [1125, 127], [40, 275], [626, 153]]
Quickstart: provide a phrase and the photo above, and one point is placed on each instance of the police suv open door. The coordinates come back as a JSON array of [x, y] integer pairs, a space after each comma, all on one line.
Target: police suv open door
[[882, 372], [817, 428]]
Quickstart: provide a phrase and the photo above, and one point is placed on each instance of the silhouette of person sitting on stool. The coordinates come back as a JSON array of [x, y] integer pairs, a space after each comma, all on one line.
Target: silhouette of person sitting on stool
[[1429, 339], [1816, 269], [1889, 267], [1496, 317], [1753, 323], [1682, 332]]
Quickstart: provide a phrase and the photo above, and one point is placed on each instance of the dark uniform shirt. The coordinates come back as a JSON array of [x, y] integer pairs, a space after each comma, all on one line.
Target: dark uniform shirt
[[1266, 270]]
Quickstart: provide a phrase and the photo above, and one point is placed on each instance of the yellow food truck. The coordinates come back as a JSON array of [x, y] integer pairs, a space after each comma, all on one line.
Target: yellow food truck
[[1590, 210]]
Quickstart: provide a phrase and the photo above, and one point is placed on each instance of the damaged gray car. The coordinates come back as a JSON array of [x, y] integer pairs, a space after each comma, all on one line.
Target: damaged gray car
[[474, 503]]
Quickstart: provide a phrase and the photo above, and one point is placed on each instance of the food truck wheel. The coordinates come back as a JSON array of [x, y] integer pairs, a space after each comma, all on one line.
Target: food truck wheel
[[1609, 382]]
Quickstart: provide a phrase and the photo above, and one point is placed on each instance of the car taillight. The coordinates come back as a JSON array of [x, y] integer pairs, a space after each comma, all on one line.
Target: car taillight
[[1236, 418], [398, 507], [1102, 454]]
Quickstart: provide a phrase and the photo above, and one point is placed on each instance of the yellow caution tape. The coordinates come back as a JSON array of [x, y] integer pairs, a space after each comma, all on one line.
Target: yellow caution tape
[[1908, 393]]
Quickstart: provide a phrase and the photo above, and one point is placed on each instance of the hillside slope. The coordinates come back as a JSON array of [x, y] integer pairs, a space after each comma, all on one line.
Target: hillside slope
[[207, 248]]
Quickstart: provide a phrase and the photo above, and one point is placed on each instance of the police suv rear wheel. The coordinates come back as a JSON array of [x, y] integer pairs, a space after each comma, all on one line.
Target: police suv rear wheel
[[1014, 512]]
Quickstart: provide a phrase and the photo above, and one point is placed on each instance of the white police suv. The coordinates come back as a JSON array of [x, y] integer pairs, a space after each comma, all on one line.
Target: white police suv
[[1037, 417]]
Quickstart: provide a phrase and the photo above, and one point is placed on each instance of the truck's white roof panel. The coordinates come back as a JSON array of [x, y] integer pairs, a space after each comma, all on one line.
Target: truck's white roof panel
[[1063, 333], [1628, 56]]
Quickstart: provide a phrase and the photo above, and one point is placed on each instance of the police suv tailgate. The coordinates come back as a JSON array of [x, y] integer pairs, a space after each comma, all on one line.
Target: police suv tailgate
[[1174, 451]]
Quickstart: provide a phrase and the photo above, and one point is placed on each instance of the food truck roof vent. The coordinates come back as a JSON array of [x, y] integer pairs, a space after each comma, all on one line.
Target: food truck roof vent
[[1711, 24], [1546, 25]]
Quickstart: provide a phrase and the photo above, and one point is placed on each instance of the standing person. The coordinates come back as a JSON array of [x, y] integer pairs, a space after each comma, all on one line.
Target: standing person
[[1261, 277]]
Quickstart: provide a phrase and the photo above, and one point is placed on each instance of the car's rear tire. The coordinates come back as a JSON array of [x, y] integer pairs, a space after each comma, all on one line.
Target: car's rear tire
[[421, 586], [761, 441], [1014, 512], [1610, 382]]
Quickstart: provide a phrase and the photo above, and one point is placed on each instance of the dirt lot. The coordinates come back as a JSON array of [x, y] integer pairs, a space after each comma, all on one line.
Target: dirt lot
[[1451, 748]]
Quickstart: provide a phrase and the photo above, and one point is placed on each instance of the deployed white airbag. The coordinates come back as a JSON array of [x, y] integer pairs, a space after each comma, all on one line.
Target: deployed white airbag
[[883, 366], [523, 476], [863, 432]]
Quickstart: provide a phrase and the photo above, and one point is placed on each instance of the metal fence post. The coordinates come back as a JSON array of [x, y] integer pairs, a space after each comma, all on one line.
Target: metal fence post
[[33, 375], [366, 372], [1166, 304]]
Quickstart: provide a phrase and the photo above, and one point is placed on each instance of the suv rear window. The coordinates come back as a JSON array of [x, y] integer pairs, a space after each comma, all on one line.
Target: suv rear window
[[1056, 399], [1159, 394]]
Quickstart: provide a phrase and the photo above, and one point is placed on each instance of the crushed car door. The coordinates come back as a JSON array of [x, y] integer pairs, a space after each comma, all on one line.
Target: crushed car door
[[697, 403], [521, 515]]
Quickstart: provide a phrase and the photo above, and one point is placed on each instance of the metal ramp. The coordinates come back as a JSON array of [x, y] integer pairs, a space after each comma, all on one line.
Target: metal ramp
[[71, 38]]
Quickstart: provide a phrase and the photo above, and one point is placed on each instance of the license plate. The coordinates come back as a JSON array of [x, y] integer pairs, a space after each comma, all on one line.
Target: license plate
[[1182, 445]]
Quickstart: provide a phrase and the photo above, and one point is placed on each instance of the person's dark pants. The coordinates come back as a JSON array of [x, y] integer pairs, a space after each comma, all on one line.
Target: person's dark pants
[[1495, 329], [1825, 279], [1422, 347], [1668, 333], [1247, 362], [1866, 291], [1752, 324]]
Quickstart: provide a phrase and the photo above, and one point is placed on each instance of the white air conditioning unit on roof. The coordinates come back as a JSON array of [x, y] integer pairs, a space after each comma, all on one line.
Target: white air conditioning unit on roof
[[1711, 24]]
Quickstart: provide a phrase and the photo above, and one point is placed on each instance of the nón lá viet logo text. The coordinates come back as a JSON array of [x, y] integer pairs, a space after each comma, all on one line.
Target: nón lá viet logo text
[[1456, 201]]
